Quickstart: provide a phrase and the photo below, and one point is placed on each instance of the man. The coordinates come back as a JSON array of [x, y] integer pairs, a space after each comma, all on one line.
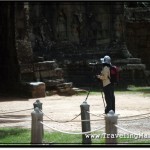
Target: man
[[108, 87]]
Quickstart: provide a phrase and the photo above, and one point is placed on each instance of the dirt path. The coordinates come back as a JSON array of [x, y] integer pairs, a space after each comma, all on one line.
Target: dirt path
[[62, 108]]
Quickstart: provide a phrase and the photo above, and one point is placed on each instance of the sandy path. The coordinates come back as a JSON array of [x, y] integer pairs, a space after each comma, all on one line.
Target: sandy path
[[61, 108]]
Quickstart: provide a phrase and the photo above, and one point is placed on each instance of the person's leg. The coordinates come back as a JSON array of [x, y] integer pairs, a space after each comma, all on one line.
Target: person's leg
[[112, 97], [107, 94]]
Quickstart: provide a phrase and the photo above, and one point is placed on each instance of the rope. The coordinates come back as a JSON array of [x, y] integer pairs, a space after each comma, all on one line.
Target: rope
[[16, 111], [14, 116], [133, 119], [87, 96], [72, 132], [92, 120], [7, 119], [125, 130], [74, 120], [135, 115], [95, 114], [20, 125], [61, 121]]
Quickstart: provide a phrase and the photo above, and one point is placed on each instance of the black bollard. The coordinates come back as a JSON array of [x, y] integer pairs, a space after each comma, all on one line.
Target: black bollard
[[85, 124]]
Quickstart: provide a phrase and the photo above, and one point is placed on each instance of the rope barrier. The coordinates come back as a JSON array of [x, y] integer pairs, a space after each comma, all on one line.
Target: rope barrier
[[135, 115], [95, 114], [16, 111], [72, 132], [61, 121], [125, 130], [10, 119], [20, 125], [7, 119], [75, 120], [133, 119], [13, 116], [72, 120]]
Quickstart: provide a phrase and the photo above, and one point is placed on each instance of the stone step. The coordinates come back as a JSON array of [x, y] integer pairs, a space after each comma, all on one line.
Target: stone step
[[54, 82], [50, 93], [45, 65], [62, 90], [57, 73], [78, 90], [65, 85]]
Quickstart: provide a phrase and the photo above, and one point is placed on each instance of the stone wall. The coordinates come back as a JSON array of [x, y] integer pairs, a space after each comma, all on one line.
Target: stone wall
[[73, 34], [137, 33], [9, 68], [23, 43], [59, 29]]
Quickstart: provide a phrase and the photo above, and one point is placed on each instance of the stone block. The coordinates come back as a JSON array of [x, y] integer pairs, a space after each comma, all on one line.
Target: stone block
[[36, 89], [53, 83], [44, 74], [45, 65]]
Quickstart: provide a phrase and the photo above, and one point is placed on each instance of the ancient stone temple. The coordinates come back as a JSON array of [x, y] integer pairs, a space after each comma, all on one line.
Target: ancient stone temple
[[55, 43]]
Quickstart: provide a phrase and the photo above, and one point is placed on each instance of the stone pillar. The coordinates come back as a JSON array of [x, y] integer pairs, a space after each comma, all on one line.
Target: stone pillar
[[22, 41], [110, 128], [36, 127], [117, 47], [85, 124]]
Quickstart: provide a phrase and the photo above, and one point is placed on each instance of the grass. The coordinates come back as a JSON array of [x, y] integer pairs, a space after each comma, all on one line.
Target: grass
[[19, 136], [56, 138], [144, 90], [131, 89], [14, 136]]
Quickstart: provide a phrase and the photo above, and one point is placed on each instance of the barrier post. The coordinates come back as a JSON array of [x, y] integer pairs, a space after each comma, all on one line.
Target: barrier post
[[36, 126], [85, 124], [110, 128]]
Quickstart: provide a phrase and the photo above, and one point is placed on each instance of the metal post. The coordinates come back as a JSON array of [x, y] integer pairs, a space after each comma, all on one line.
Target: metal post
[[85, 124], [36, 126], [37, 104], [110, 128]]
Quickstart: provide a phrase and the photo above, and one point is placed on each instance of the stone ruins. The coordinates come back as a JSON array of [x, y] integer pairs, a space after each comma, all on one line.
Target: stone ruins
[[50, 46]]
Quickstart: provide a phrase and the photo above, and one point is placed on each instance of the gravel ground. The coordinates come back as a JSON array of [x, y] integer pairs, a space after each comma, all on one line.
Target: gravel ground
[[65, 108]]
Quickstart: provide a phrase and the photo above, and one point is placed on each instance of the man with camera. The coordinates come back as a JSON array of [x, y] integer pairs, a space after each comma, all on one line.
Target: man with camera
[[108, 87]]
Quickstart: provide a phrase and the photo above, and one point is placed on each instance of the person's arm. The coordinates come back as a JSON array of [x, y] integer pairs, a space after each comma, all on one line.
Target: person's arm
[[104, 74], [103, 77]]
